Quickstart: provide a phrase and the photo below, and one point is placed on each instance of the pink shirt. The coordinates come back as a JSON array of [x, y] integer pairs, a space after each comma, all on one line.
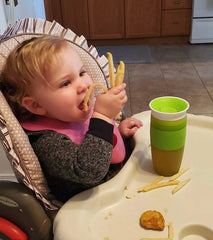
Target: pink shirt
[[76, 132]]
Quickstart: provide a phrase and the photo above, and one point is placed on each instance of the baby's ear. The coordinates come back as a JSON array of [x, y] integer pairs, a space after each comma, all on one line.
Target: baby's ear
[[33, 106]]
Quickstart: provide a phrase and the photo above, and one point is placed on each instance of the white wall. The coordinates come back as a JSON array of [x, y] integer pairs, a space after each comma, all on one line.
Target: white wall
[[28, 8], [39, 9], [3, 22]]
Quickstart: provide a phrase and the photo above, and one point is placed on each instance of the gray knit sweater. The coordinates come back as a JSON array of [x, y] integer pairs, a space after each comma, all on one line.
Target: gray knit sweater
[[71, 168]]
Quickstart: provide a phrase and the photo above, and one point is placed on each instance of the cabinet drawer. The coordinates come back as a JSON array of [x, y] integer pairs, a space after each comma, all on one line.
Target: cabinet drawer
[[176, 4], [176, 22]]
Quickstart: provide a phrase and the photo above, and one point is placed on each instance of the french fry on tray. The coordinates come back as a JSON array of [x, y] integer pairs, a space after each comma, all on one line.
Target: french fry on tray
[[170, 234], [180, 185], [176, 176], [170, 231], [114, 82], [159, 185], [157, 180], [154, 239]]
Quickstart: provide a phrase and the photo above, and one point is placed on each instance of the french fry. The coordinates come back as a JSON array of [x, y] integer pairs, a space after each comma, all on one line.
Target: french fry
[[180, 185], [170, 231], [159, 185], [157, 180], [120, 74], [90, 91], [170, 234], [154, 239], [119, 77], [111, 70], [174, 177]]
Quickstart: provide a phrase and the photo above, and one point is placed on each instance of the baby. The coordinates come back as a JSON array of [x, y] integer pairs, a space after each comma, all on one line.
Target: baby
[[45, 83]]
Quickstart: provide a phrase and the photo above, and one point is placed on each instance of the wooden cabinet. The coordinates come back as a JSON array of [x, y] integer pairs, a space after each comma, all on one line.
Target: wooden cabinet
[[106, 19], [75, 16], [122, 19], [176, 17], [176, 4], [142, 18]]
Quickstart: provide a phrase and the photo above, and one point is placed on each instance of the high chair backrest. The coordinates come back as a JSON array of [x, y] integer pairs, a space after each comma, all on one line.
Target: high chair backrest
[[18, 149]]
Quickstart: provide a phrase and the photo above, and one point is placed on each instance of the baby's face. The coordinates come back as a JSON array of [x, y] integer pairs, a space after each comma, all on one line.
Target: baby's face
[[69, 82]]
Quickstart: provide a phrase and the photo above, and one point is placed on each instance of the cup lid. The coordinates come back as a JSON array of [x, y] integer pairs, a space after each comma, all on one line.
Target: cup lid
[[169, 108]]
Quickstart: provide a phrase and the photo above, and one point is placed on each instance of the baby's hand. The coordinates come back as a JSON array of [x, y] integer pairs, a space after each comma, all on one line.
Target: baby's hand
[[111, 102], [129, 126]]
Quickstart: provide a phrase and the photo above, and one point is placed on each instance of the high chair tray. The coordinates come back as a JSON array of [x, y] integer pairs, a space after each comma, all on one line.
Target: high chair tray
[[112, 210]]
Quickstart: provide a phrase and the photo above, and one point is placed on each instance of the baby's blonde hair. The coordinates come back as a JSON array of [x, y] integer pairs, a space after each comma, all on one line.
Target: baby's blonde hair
[[29, 63]]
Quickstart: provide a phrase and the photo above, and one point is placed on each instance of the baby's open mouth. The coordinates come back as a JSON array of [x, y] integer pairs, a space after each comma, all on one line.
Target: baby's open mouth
[[81, 106]]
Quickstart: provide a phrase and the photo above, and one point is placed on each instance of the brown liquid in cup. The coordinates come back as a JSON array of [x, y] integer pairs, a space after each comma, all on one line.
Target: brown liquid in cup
[[166, 162]]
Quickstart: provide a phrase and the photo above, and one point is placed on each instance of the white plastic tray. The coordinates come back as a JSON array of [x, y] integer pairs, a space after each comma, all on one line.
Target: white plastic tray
[[112, 210]]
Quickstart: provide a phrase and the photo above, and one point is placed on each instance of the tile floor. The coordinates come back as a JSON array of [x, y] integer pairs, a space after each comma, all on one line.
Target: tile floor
[[177, 70]]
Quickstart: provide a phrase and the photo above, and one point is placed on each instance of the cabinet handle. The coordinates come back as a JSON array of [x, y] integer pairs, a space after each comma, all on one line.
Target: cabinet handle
[[178, 2]]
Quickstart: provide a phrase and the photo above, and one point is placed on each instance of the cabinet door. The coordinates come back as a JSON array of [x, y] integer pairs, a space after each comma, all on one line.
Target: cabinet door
[[176, 22], [143, 18], [53, 10], [75, 16], [106, 19]]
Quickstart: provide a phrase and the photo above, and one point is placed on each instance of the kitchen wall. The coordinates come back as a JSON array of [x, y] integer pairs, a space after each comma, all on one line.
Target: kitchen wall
[[25, 8], [3, 22], [28, 8]]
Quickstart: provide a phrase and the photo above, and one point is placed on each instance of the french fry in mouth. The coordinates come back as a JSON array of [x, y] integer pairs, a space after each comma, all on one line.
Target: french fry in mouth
[[90, 91]]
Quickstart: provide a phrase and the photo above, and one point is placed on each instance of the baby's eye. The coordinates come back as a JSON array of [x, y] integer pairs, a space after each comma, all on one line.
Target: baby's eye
[[82, 73], [65, 84]]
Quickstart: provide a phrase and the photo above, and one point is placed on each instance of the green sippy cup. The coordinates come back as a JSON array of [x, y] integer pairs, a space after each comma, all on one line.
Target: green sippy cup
[[168, 133]]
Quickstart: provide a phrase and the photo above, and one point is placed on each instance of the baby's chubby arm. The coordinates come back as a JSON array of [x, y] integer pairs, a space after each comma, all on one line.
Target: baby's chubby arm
[[129, 126], [109, 104]]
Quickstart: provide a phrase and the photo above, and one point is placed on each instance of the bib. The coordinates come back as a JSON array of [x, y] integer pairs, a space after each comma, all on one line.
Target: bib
[[76, 132]]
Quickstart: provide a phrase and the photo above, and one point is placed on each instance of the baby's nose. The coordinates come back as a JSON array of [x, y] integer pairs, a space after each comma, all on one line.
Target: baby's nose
[[82, 87]]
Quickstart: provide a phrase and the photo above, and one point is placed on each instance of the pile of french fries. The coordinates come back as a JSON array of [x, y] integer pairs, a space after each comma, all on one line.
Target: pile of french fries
[[114, 80], [157, 183]]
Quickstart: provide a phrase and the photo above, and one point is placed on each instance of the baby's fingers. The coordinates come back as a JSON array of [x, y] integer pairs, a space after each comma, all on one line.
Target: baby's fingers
[[118, 89], [135, 122]]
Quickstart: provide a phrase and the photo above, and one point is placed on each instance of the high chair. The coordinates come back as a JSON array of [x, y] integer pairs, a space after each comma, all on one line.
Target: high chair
[[27, 208]]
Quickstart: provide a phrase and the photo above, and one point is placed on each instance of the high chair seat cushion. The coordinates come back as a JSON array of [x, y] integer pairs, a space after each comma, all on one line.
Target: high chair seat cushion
[[22, 157]]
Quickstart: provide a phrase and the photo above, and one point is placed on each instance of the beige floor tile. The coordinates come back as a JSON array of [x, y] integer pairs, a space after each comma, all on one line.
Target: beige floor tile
[[177, 70], [199, 52], [205, 72], [146, 82], [168, 53], [182, 78], [199, 104]]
